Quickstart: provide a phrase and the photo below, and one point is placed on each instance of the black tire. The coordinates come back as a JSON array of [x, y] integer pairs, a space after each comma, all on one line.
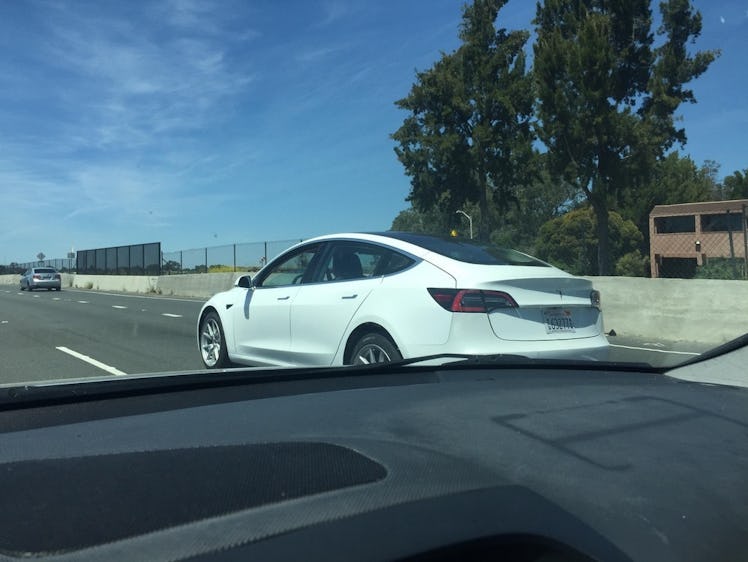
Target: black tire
[[212, 342], [58, 288], [374, 348], [49, 288], [29, 288], [23, 288]]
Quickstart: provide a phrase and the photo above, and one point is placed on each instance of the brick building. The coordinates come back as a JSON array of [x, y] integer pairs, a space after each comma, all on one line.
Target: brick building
[[685, 236]]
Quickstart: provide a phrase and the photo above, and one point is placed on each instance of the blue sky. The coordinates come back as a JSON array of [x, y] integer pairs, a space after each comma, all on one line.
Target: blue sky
[[199, 123]]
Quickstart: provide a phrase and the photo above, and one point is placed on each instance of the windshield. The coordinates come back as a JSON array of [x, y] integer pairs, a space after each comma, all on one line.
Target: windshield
[[326, 184]]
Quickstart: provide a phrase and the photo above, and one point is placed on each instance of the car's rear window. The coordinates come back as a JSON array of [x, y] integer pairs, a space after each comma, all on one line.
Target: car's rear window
[[44, 270], [467, 251]]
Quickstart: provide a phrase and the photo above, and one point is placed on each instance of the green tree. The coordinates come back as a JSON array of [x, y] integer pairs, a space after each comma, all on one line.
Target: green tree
[[675, 179], [736, 185], [570, 241], [431, 221], [538, 202], [607, 96], [468, 136]]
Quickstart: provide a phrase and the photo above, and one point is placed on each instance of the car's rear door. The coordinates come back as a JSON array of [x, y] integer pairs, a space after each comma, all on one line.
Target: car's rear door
[[323, 309]]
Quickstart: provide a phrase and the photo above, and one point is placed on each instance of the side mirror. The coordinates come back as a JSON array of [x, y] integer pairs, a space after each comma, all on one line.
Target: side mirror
[[245, 281]]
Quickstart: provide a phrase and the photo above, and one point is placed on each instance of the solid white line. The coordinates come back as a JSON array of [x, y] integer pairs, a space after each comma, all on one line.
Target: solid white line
[[172, 315], [118, 306], [654, 350], [91, 361]]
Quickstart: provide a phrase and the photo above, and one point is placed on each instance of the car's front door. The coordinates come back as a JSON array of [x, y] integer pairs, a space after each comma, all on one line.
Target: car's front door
[[323, 309], [262, 331]]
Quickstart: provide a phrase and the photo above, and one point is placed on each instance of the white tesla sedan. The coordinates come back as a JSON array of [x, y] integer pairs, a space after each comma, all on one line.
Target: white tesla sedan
[[368, 298]]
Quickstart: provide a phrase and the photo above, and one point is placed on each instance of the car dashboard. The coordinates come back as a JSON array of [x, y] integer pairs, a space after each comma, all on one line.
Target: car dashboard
[[377, 463]]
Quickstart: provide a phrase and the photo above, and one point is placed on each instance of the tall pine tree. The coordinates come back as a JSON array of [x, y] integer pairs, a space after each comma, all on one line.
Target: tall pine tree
[[468, 136], [607, 96]]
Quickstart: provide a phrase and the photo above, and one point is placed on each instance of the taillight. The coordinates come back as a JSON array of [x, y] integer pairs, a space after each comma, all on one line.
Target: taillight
[[472, 300], [57, 276], [595, 299], [37, 276]]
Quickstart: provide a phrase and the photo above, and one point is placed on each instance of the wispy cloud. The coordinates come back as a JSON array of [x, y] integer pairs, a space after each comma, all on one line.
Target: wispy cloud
[[334, 10], [100, 129], [314, 55]]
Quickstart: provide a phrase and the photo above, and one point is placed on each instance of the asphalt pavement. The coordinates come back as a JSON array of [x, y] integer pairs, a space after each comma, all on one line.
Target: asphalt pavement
[[48, 335]]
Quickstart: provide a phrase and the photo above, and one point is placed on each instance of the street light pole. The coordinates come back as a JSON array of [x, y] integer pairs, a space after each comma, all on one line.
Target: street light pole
[[470, 220]]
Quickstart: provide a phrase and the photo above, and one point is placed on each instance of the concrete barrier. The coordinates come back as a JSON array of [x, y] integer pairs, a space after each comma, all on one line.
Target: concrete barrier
[[190, 285], [202, 285], [116, 283], [697, 310]]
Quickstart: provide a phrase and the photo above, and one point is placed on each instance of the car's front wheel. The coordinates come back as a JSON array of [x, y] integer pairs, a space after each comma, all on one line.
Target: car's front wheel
[[213, 342], [374, 348]]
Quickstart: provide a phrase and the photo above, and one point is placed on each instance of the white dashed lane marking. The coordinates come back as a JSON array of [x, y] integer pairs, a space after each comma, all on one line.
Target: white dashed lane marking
[[118, 306], [83, 302], [91, 361], [171, 315]]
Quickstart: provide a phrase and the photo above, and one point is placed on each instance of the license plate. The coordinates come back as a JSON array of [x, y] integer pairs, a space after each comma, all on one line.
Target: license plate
[[558, 321]]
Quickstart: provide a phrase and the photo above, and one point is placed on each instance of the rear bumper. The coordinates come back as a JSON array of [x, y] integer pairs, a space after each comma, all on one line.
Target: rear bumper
[[45, 284], [587, 349], [472, 334]]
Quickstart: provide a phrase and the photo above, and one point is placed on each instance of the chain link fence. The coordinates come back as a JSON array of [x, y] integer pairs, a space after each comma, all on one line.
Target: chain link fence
[[700, 240], [63, 265], [230, 257], [148, 259]]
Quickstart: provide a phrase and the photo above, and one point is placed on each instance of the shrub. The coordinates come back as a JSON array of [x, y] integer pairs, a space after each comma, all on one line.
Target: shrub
[[633, 264], [721, 268]]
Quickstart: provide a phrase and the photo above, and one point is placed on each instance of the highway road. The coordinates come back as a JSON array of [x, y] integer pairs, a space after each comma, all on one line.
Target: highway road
[[48, 335], [44, 333]]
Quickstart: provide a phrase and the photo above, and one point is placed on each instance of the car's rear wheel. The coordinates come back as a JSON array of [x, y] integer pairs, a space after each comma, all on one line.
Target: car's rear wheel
[[374, 348], [213, 342]]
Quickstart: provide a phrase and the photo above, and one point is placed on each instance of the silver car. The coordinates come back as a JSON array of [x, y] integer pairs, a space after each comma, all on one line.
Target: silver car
[[41, 278]]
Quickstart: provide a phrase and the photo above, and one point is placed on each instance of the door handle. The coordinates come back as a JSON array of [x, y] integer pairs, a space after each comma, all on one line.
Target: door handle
[[284, 298], [350, 296]]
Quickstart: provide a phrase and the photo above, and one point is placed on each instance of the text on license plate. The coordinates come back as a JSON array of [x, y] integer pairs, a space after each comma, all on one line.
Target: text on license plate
[[558, 320]]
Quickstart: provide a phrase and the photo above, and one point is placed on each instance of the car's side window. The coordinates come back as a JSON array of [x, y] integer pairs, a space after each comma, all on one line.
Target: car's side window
[[352, 260], [291, 270], [394, 262]]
